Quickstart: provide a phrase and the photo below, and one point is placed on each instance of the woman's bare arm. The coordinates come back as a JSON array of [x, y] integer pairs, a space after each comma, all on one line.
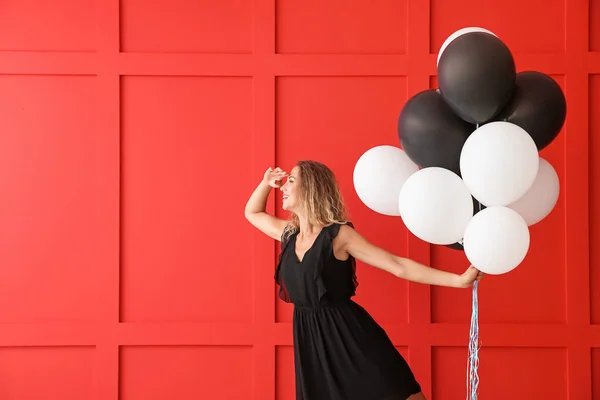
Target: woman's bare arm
[[361, 249], [255, 210]]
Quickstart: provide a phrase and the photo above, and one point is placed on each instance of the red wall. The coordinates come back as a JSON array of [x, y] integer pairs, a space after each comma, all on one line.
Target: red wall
[[132, 134]]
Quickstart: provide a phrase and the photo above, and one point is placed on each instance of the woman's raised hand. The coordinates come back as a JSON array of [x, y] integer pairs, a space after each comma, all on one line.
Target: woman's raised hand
[[273, 177]]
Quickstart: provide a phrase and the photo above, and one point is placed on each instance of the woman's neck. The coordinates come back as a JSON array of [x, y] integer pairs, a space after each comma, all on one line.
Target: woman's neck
[[306, 228]]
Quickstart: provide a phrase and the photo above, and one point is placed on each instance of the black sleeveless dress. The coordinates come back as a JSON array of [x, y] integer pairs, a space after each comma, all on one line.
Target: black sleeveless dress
[[340, 352]]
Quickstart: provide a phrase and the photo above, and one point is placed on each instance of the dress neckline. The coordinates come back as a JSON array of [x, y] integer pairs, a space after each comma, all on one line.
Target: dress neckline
[[298, 260]]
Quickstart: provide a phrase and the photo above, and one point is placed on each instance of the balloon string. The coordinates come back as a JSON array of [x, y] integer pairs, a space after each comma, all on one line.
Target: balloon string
[[473, 361]]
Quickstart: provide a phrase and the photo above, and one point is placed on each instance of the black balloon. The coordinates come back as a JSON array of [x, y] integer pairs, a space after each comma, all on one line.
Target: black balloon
[[431, 135], [538, 105], [456, 246], [477, 206], [476, 75]]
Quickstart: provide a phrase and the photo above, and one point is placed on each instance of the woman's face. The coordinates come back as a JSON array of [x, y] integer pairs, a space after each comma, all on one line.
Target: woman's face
[[291, 191]]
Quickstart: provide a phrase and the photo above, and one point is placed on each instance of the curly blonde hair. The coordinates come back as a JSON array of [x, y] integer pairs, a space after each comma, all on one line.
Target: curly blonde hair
[[322, 200]]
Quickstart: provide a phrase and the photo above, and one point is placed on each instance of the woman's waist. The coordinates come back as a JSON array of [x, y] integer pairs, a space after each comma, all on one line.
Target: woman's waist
[[323, 304]]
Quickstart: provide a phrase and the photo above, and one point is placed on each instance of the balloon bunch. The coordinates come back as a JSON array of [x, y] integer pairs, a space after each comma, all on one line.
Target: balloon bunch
[[469, 175]]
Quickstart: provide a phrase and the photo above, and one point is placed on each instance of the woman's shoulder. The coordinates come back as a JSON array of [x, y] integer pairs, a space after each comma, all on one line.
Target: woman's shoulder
[[337, 227], [287, 235]]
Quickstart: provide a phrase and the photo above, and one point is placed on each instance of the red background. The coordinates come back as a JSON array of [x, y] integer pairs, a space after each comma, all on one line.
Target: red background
[[133, 132]]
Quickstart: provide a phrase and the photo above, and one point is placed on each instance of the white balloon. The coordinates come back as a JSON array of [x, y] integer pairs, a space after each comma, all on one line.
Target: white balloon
[[379, 175], [541, 198], [458, 33], [435, 205], [496, 240], [499, 163]]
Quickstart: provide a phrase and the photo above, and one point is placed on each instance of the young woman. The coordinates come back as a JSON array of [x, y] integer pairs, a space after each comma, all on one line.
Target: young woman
[[340, 352]]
